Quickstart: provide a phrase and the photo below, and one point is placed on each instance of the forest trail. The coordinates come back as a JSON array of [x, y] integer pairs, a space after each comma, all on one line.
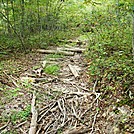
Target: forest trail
[[65, 101], [60, 83]]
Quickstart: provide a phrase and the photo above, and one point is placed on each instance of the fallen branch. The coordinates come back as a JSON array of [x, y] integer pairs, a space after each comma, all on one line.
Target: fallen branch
[[73, 70], [40, 127], [47, 111], [76, 116], [22, 123], [97, 96], [44, 108], [77, 130], [63, 110], [73, 49], [22, 131], [55, 52], [48, 125], [11, 78], [95, 116], [95, 85], [3, 127], [32, 80], [33, 124], [78, 93]]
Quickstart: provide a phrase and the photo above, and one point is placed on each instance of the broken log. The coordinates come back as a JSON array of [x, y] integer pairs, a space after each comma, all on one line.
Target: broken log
[[73, 49], [34, 112], [55, 52], [73, 70], [44, 63]]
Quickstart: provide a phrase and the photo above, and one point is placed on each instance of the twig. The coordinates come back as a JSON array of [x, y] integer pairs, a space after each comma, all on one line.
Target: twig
[[40, 127], [33, 124], [97, 96], [76, 116], [47, 112], [22, 123], [3, 127], [64, 113], [11, 78], [60, 127], [62, 110], [95, 85], [53, 125], [42, 110], [22, 131], [94, 120], [79, 93], [49, 124], [75, 112], [75, 85]]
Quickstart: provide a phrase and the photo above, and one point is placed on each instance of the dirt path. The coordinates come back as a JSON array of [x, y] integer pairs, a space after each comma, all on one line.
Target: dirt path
[[65, 101]]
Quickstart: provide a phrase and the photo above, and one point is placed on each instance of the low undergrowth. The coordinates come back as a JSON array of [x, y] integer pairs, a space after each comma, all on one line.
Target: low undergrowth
[[110, 53], [52, 69]]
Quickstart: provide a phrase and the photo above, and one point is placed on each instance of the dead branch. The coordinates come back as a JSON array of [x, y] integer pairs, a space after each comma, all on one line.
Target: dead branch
[[74, 85], [44, 108], [74, 112], [97, 96], [22, 131], [73, 49], [94, 85], [55, 52], [40, 127], [42, 79], [33, 80], [11, 78], [63, 110], [56, 59], [33, 124], [48, 125], [76, 115], [78, 93], [47, 111], [78, 130], [22, 123], [73, 70], [95, 116], [3, 127]]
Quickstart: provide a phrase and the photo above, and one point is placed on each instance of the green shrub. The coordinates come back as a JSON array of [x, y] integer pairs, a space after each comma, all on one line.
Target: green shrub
[[52, 69], [110, 50]]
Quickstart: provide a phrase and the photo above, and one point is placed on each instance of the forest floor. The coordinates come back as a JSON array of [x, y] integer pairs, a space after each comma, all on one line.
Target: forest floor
[[66, 103]]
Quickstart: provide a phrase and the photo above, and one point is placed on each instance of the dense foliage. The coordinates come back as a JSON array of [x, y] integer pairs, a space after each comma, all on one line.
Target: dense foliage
[[33, 23], [110, 49]]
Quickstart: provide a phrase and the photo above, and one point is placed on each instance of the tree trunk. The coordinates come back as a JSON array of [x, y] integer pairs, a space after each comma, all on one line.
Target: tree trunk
[[17, 34], [22, 18], [133, 36], [13, 12], [38, 14]]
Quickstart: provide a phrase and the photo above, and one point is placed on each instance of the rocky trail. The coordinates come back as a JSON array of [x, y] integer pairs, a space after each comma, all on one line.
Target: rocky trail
[[61, 99]]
